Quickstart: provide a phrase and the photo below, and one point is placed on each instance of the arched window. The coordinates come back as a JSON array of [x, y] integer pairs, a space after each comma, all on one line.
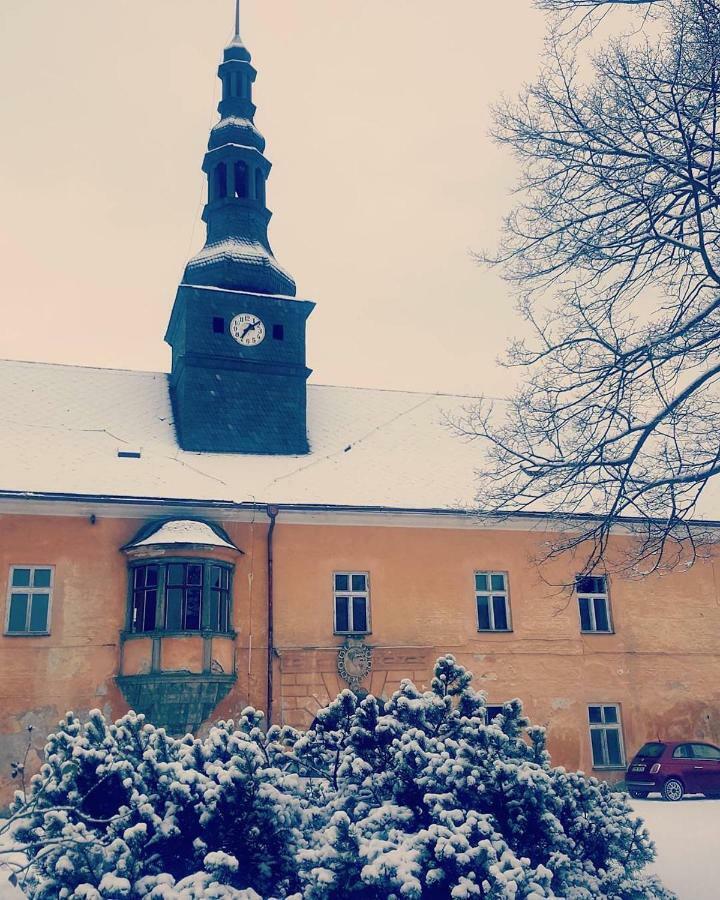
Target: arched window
[[259, 186], [241, 180], [220, 182]]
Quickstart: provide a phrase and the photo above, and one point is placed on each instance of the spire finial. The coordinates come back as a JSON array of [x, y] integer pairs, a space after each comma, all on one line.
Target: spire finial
[[237, 18]]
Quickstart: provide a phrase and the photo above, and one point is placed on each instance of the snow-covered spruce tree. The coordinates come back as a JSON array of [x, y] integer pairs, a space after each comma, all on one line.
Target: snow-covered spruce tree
[[124, 811], [416, 797], [426, 800]]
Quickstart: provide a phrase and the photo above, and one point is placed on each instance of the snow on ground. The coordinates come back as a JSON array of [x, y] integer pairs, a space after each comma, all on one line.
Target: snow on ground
[[7, 891], [687, 835]]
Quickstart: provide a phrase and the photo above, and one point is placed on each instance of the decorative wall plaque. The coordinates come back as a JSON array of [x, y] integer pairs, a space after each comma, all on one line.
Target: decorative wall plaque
[[354, 663]]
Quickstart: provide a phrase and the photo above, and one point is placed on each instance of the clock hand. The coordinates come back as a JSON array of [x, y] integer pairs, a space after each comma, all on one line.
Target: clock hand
[[249, 328]]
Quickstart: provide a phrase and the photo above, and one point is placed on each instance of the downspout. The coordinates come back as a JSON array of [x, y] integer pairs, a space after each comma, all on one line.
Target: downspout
[[272, 512]]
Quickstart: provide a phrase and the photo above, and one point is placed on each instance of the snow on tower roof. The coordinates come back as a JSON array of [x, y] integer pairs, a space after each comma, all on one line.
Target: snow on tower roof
[[109, 433]]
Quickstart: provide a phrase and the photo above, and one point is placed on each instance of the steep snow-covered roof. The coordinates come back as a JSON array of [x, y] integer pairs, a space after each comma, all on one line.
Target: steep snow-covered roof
[[107, 432]]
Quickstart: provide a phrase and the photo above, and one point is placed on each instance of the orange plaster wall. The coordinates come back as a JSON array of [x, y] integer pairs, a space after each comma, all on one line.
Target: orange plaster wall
[[182, 654], [137, 657], [662, 664], [41, 678], [223, 652], [75, 666]]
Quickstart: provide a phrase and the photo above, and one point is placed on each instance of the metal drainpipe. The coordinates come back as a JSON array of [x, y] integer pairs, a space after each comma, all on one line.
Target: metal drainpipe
[[272, 512]]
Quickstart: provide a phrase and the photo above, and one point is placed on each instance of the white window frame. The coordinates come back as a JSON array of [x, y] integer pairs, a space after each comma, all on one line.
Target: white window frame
[[490, 594], [30, 590], [592, 597], [604, 727], [351, 594]]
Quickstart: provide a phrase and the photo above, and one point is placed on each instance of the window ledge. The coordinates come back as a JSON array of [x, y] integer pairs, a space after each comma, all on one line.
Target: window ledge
[[358, 634], [26, 634], [136, 635], [596, 632], [495, 630], [622, 768]]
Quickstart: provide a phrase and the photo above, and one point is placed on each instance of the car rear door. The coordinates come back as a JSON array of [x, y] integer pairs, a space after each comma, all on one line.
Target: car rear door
[[706, 765]]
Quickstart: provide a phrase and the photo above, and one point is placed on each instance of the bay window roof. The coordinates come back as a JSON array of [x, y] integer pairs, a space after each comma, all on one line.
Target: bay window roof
[[181, 533]]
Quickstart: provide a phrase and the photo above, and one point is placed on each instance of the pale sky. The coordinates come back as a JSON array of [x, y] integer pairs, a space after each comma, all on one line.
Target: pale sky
[[376, 115]]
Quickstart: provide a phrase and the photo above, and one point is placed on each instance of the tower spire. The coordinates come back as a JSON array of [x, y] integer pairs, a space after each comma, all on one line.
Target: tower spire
[[237, 254]]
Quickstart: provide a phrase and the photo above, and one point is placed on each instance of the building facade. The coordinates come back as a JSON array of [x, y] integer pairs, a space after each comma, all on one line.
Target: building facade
[[227, 535]]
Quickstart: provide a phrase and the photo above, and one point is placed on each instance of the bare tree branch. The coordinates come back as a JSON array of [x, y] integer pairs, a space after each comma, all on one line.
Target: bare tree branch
[[614, 252]]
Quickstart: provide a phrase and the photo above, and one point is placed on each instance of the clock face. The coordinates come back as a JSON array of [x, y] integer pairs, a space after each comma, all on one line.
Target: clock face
[[247, 330]]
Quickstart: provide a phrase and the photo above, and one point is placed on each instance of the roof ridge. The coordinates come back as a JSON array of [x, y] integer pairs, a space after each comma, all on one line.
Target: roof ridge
[[345, 387], [356, 387], [57, 365]]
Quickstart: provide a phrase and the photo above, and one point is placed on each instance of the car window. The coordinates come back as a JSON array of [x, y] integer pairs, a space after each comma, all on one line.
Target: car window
[[653, 750], [705, 751], [684, 751]]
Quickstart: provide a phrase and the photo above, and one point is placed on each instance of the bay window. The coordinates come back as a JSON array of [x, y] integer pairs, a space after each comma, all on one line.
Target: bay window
[[177, 595]]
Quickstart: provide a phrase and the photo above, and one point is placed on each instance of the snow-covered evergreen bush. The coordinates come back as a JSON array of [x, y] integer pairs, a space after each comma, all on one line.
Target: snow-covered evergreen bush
[[124, 811], [415, 797], [426, 800]]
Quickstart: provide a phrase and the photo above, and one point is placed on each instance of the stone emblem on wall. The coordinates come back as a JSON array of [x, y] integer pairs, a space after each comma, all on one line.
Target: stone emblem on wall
[[354, 663]]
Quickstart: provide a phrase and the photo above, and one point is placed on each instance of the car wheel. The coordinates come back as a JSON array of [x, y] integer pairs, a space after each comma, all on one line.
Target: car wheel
[[673, 790], [639, 795]]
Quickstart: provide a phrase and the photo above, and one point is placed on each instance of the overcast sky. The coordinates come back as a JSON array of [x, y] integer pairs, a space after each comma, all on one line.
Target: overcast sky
[[376, 115]]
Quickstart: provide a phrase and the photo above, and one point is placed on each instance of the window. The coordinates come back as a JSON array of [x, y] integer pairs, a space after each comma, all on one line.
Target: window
[[491, 596], [241, 180], [218, 325], [492, 711], [278, 332], [653, 750], [594, 603], [352, 602], [684, 751], [183, 597], [180, 595], [705, 751], [220, 181], [219, 618], [28, 607], [606, 736], [145, 594]]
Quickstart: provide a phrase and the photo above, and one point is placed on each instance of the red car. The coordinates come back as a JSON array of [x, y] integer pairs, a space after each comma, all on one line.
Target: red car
[[675, 768]]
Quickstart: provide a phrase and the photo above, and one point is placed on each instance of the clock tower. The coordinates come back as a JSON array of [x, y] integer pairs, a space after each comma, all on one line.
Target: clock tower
[[237, 331]]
